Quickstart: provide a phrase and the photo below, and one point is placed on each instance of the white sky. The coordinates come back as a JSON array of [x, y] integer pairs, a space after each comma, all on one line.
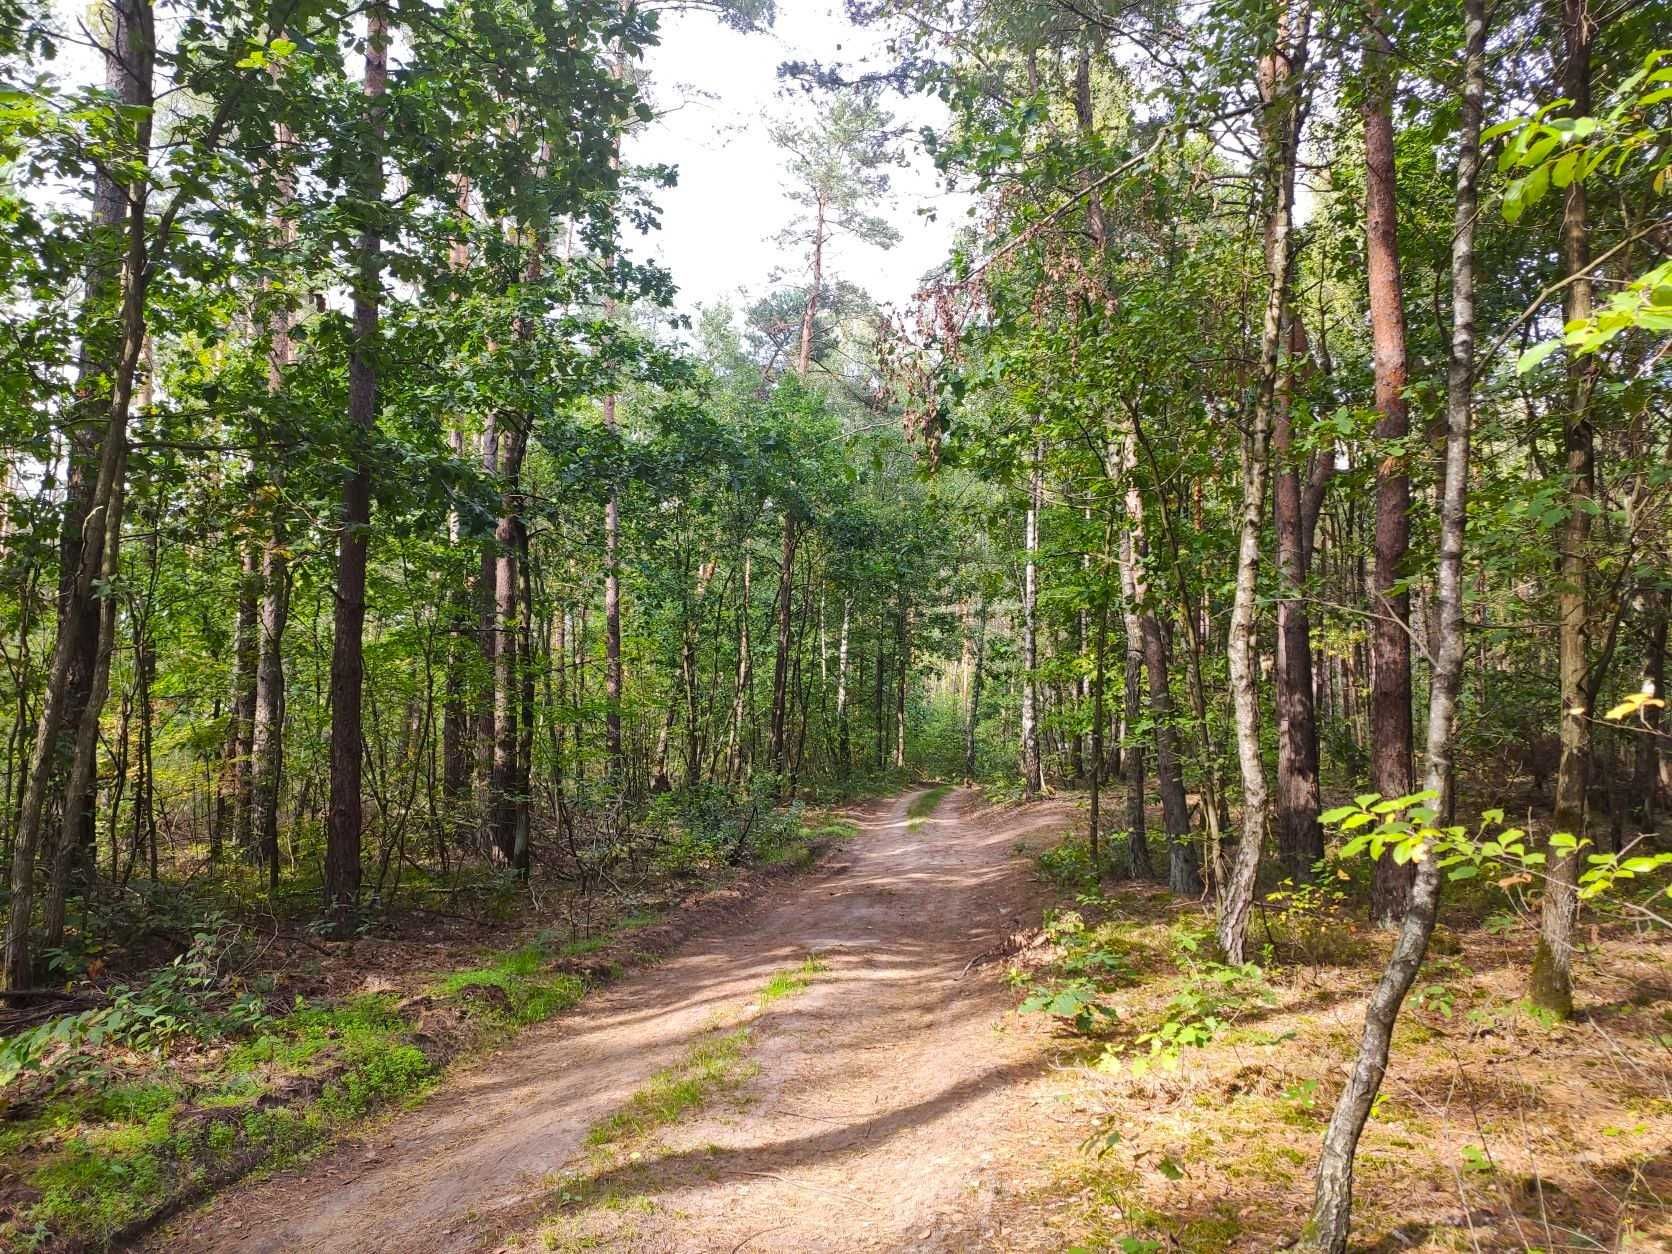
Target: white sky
[[716, 91], [720, 90]]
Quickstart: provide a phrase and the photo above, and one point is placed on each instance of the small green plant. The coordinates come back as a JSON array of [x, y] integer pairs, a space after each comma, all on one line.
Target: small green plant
[[787, 983], [1068, 865], [1436, 997], [1090, 965], [187, 998], [1210, 996], [1077, 1001], [1307, 919]]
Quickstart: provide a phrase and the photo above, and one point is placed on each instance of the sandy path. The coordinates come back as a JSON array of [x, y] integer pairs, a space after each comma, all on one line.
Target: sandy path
[[891, 1100]]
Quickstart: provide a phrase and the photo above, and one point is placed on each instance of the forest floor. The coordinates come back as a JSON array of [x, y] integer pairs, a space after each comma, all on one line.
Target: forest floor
[[841, 1067]]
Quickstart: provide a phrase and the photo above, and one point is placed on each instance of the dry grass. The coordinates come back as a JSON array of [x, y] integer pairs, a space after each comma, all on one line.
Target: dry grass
[[1497, 1129]]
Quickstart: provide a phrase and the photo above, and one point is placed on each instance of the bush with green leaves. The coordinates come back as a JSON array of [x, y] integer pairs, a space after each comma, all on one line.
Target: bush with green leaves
[[1405, 829], [1086, 966], [189, 997], [1210, 997]]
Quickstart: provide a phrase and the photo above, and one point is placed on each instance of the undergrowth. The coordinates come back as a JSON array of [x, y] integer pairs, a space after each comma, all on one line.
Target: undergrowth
[[190, 1078]]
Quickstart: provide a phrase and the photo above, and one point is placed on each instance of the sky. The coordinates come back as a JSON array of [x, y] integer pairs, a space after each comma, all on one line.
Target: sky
[[717, 91]]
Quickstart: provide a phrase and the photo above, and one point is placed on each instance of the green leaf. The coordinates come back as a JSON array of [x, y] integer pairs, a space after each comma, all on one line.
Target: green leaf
[[1535, 354]]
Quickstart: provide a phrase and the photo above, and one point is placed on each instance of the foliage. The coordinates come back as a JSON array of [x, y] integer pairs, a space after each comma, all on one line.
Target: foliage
[[1404, 828]]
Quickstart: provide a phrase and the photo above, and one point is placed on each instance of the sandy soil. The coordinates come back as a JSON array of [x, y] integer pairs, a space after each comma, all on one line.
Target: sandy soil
[[890, 1105]]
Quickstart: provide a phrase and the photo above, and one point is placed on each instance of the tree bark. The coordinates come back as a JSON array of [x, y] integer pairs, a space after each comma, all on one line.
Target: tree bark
[[103, 516], [1139, 864], [267, 729], [81, 776], [508, 807], [972, 716], [612, 621], [901, 675], [1184, 874], [1032, 768], [1552, 974], [1391, 732], [809, 311], [1649, 774], [778, 742], [737, 753], [1280, 123], [237, 779], [1300, 837], [844, 740], [343, 818], [1332, 1207]]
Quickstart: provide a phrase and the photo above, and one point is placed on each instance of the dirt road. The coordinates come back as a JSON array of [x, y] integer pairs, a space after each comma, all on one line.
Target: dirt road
[[889, 1105]]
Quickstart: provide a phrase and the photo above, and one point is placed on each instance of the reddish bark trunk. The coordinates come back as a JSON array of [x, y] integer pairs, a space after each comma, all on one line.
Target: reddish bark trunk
[[1391, 763]]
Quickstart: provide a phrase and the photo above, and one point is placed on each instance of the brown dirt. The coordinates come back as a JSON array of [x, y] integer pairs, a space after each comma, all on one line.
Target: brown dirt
[[890, 1105]]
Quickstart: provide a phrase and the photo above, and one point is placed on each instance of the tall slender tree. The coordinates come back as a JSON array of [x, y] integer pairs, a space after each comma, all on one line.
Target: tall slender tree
[[1391, 732], [343, 819], [1333, 1201]]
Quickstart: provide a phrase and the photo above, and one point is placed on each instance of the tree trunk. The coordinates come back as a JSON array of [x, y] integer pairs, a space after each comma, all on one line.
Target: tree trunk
[[136, 49], [1099, 715], [902, 673], [342, 832], [1391, 734], [1139, 864], [1183, 868], [844, 741], [1552, 975], [1649, 775], [1300, 837], [778, 744], [612, 622], [1280, 122], [237, 779], [1332, 1208], [508, 807], [878, 702], [737, 752], [972, 718], [86, 743], [99, 351], [1032, 768], [267, 721], [804, 355]]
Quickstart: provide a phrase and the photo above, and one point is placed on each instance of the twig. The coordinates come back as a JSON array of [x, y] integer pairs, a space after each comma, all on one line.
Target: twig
[[753, 1235], [796, 1184]]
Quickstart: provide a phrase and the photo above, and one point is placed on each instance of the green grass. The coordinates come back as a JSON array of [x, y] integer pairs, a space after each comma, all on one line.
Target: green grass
[[709, 1067], [119, 1150], [829, 828], [531, 991], [713, 1065], [788, 983], [924, 804]]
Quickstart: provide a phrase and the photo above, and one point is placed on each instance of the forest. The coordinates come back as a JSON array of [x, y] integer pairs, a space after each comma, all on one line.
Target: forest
[[1159, 735]]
